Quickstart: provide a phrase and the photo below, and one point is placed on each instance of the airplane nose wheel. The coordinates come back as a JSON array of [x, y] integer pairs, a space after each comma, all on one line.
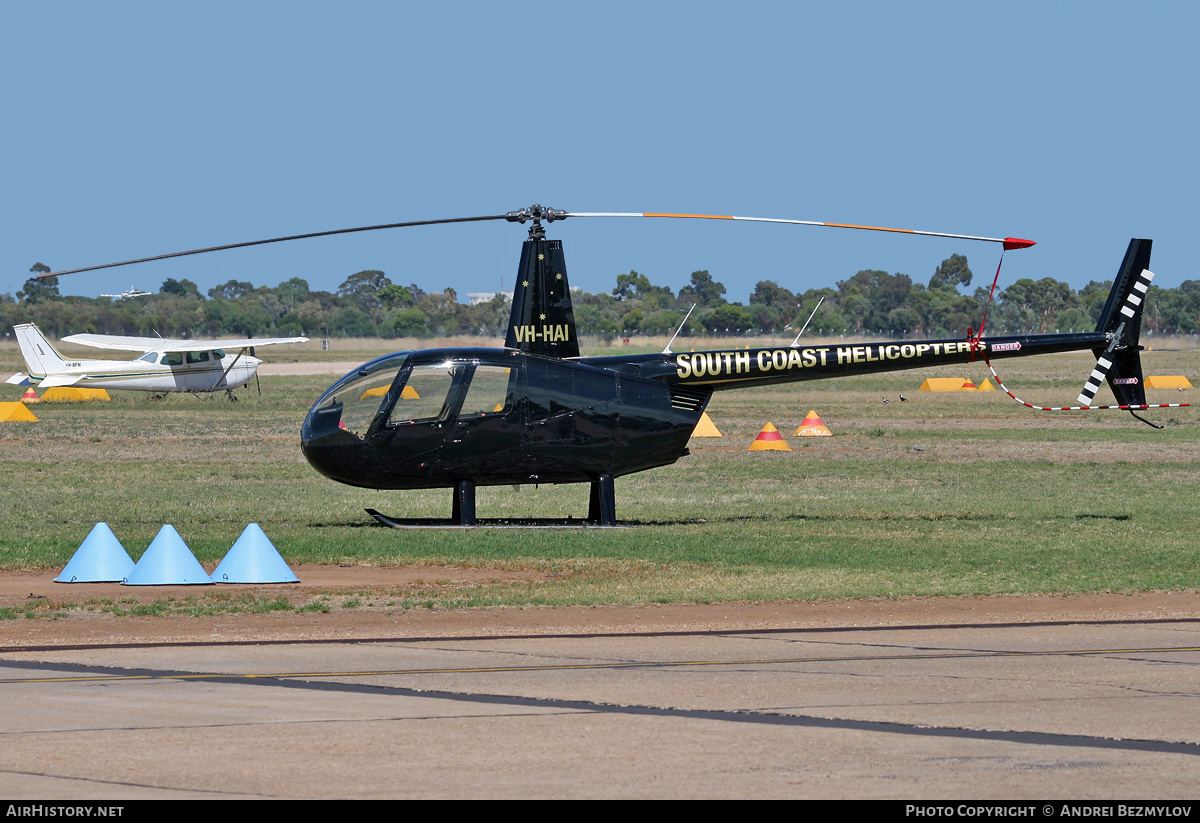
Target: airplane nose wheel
[[229, 393]]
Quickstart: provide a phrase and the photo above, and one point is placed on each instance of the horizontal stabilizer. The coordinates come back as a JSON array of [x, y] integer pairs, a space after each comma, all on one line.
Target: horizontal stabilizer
[[20, 379], [61, 380]]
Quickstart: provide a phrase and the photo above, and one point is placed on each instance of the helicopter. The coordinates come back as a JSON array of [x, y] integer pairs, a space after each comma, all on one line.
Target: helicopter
[[536, 411]]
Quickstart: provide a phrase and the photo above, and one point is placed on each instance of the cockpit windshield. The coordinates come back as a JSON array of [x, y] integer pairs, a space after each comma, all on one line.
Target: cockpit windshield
[[361, 392]]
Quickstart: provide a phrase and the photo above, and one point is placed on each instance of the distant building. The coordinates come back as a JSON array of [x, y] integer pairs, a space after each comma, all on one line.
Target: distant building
[[476, 297]]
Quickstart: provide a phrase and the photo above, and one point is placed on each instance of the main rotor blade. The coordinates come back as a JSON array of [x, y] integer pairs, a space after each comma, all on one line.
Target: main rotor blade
[[1009, 242], [276, 240]]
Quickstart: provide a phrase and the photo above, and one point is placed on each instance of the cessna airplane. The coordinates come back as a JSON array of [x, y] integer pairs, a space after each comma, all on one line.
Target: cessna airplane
[[166, 366]]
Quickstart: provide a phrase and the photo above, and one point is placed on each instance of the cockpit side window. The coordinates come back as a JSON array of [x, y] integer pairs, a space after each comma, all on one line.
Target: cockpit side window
[[197, 357], [489, 392], [174, 358], [425, 393]]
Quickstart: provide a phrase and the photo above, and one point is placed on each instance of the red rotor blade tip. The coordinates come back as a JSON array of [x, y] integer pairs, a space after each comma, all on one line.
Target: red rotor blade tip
[[1017, 243]]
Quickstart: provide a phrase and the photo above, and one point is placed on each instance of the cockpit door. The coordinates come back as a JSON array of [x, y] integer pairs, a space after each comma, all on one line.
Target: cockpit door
[[485, 439], [454, 419], [410, 435]]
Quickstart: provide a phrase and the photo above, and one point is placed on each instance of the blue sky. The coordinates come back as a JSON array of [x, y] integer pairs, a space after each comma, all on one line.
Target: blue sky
[[133, 129]]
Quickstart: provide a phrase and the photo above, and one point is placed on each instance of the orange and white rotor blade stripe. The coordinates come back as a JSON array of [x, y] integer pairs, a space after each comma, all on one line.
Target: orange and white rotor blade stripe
[[1009, 242]]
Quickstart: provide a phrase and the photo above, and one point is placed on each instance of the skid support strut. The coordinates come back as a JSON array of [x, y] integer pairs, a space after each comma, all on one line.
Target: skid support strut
[[602, 507], [463, 511]]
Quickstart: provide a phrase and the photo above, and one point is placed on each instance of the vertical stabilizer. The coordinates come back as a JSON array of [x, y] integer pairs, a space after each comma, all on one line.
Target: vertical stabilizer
[[542, 320], [40, 356], [1126, 300], [1119, 361]]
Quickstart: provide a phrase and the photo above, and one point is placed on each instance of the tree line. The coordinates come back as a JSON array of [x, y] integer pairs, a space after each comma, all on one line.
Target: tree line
[[369, 304]]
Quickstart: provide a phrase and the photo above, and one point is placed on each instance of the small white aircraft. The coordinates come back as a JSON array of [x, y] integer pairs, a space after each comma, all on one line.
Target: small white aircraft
[[166, 366], [127, 295]]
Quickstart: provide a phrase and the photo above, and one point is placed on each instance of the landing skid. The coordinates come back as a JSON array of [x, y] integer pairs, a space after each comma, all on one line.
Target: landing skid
[[602, 513], [487, 523]]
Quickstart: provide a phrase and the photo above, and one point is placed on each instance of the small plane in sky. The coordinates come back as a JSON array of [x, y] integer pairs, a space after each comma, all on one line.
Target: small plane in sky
[[166, 365], [127, 295]]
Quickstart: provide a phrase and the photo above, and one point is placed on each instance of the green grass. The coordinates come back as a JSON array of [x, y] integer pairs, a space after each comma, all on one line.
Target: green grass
[[942, 494]]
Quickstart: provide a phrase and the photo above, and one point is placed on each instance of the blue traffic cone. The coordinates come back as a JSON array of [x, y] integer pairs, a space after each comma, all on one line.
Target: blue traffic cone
[[167, 562], [100, 558], [253, 559]]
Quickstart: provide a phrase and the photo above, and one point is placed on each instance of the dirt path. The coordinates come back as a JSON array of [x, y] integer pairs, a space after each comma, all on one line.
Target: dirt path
[[358, 602]]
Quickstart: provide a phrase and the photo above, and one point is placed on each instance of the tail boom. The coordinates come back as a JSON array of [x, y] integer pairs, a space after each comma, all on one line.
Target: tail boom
[[737, 368]]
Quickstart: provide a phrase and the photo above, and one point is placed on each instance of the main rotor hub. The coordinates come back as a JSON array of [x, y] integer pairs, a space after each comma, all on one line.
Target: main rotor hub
[[537, 214]]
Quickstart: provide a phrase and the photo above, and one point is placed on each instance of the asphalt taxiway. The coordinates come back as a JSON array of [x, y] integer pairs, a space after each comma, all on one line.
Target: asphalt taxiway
[[1079, 709]]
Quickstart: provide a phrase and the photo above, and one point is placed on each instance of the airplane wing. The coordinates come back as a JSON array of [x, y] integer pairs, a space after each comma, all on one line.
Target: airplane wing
[[110, 341], [206, 345]]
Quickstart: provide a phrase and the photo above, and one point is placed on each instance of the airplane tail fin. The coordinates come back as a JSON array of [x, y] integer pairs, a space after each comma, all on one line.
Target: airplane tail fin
[[542, 320], [41, 357], [1119, 362]]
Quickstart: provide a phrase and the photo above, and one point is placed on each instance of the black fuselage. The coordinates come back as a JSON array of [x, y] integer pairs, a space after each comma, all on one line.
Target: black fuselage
[[553, 421], [499, 416]]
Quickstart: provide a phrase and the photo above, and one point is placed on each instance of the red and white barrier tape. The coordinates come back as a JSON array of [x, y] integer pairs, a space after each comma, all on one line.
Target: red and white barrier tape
[[1078, 408]]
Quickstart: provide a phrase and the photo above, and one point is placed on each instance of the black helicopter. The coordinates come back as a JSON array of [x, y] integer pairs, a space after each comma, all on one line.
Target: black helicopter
[[535, 411]]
